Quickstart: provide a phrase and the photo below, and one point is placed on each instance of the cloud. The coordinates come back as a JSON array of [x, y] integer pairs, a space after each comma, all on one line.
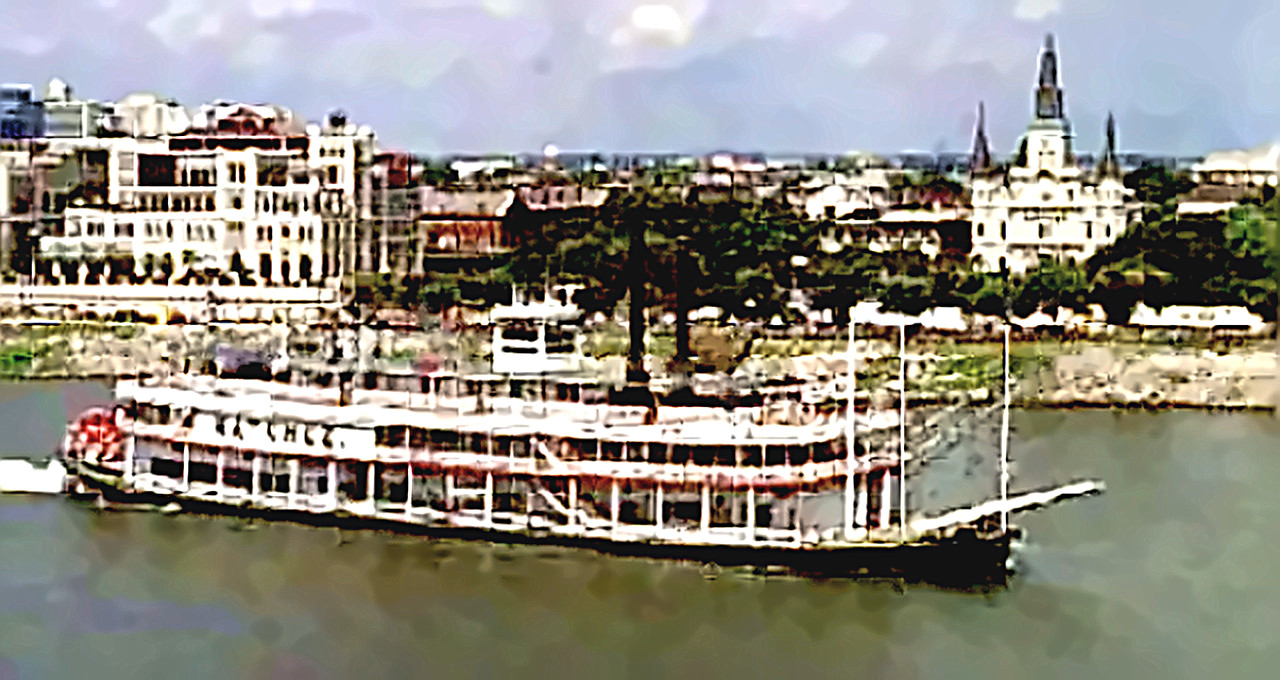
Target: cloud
[[1035, 10], [863, 48], [675, 74], [258, 51], [658, 25]]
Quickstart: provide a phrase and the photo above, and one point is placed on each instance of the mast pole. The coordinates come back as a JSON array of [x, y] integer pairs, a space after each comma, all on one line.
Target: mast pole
[[902, 430], [1004, 441], [850, 433]]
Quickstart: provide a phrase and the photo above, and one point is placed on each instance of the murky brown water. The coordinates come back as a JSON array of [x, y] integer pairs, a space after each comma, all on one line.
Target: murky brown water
[[1169, 574]]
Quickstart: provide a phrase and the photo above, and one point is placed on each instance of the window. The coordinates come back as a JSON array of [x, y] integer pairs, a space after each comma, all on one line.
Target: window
[[1003, 234], [981, 229], [1088, 230]]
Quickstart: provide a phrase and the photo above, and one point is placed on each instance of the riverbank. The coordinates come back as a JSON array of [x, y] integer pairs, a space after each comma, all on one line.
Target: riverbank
[[1047, 374]]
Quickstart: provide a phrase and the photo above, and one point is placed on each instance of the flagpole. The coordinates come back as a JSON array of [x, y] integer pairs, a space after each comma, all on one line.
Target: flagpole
[[1004, 442], [850, 432], [902, 430]]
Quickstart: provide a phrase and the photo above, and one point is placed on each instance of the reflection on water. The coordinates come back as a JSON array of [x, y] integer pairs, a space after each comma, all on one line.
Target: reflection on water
[[1169, 573]]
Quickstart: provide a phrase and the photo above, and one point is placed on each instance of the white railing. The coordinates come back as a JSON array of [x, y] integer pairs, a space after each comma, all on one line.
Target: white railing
[[84, 293]]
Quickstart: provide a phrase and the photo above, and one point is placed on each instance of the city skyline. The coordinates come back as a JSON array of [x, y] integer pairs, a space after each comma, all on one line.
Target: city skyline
[[449, 76]]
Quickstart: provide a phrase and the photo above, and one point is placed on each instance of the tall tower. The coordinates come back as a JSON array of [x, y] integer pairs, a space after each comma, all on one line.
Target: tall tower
[[1048, 96], [1109, 165], [1046, 146], [980, 158]]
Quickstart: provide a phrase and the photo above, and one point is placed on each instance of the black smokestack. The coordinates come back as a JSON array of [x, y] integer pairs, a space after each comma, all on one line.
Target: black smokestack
[[684, 281], [635, 281]]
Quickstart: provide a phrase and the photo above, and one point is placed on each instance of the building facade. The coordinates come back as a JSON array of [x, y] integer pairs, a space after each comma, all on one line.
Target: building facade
[[237, 191], [1042, 205]]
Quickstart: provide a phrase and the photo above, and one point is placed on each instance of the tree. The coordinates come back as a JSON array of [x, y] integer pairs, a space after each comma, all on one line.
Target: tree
[[908, 294], [1155, 184], [1050, 286]]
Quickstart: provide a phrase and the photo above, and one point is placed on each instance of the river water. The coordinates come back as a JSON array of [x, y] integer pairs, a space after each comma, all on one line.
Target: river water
[[1171, 573]]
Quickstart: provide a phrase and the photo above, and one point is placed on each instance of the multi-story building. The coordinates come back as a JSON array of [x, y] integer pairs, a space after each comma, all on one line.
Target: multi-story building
[[1243, 172], [21, 115], [240, 190], [390, 243], [1043, 205]]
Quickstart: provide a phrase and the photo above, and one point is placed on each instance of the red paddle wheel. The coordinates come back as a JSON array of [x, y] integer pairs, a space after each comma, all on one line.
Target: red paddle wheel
[[96, 437]]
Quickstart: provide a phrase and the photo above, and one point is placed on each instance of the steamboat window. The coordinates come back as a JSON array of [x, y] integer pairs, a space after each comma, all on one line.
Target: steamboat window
[[681, 454], [725, 455], [501, 446], [798, 455], [417, 438], [611, 451], [476, 443], [657, 453], [823, 453], [582, 449], [520, 447], [397, 436], [444, 440], [704, 455], [775, 455]]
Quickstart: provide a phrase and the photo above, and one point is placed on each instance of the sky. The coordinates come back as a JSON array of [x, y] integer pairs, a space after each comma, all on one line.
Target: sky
[[794, 76]]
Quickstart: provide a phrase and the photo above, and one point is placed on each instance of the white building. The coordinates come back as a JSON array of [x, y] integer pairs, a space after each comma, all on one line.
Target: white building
[[1245, 169], [238, 187], [1043, 205]]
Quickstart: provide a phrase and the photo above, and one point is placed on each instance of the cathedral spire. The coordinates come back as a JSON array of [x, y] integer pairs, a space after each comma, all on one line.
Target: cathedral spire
[[1109, 164], [1048, 95], [980, 160]]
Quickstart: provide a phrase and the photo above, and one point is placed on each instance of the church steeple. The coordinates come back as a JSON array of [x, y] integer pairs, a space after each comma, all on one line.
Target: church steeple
[[1048, 95], [1109, 165], [980, 159]]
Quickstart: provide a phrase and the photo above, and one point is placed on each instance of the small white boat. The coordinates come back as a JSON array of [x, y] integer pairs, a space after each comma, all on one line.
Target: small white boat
[[23, 476]]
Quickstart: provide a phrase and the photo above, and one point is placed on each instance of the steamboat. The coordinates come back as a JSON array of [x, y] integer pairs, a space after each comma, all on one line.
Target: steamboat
[[482, 457]]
